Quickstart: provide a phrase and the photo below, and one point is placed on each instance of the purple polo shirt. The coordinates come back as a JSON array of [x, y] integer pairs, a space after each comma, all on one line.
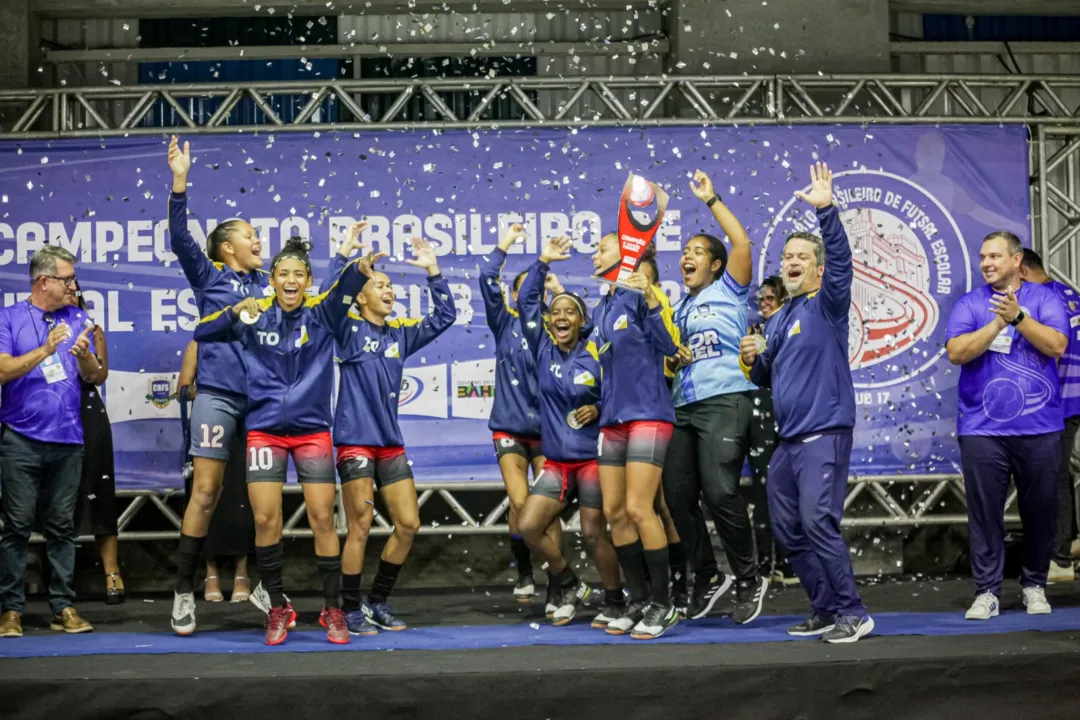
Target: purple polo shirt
[[1015, 392], [1069, 365], [31, 405]]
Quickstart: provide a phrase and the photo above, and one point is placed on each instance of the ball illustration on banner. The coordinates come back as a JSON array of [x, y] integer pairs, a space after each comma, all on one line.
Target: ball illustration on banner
[[1003, 400]]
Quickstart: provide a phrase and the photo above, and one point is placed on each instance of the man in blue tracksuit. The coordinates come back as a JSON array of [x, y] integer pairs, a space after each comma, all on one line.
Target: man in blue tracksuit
[[805, 361]]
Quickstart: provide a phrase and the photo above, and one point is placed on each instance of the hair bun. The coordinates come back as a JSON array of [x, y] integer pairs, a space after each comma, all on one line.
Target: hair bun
[[297, 244]]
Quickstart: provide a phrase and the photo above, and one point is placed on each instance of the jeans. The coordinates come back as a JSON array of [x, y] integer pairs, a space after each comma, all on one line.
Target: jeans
[[29, 468]]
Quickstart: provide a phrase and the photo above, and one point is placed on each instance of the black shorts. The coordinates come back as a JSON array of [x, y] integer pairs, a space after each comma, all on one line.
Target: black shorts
[[526, 447], [643, 441], [384, 465], [562, 481]]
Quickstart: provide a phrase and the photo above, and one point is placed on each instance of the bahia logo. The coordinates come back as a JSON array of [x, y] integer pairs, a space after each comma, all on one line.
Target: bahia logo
[[411, 388], [910, 263], [159, 392]]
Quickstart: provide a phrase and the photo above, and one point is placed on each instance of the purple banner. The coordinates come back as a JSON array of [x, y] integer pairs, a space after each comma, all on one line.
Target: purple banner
[[916, 201]]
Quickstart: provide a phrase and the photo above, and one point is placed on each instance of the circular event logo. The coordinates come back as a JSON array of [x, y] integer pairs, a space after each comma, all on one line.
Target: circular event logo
[[411, 387], [910, 266]]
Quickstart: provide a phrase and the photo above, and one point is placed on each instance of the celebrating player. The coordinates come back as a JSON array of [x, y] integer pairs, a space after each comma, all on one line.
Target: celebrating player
[[635, 426], [230, 274], [569, 384], [514, 421], [288, 344], [372, 350], [714, 409]]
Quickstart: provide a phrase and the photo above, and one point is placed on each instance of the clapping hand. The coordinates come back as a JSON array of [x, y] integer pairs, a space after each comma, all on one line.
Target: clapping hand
[[1006, 307]]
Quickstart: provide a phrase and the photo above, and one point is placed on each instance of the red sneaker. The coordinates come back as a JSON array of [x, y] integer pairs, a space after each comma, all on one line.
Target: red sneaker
[[333, 619], [277, 622], [291, 615]]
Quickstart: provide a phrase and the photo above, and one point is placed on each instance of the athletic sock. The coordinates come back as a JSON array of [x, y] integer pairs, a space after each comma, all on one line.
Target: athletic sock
[[330, 570], [384, 581], [565, 578], [677, 558], [269, 560], [657, 560], [521, 555], [350, 592], [632, 560], [614, 597], [189, 551]]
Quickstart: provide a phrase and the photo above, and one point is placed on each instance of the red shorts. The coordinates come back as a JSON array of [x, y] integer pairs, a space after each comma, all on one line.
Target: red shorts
[[268, 457], [561, 481], [384, 465], [643, 441], [507, 444]]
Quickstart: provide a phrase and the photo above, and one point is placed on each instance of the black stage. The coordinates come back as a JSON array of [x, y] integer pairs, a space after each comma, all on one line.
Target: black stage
[[989, 676]]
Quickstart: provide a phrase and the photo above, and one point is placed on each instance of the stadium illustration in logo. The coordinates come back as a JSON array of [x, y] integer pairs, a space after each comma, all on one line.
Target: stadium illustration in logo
[[910, 266]]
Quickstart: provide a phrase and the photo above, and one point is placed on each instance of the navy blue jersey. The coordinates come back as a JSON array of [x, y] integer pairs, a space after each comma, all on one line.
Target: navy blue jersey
[[288, 356], [216, 287], [806, 354], [633, 342], [515, 408], [567, 380]]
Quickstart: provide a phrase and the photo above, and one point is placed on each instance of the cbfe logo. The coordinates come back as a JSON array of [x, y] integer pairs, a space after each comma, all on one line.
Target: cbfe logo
[[159, 392], [910, 266]]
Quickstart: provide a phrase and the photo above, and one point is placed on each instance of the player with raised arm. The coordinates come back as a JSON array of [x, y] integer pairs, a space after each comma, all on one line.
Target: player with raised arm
[[569, 384], [371, 354], [228, 272]]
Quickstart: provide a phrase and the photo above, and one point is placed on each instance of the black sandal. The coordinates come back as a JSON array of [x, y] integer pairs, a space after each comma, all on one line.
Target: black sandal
[[113, 595]]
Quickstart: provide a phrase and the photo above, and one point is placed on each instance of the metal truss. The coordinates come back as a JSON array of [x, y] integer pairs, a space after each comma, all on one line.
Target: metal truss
[[1056, 191], [541, 101], [872, 502]]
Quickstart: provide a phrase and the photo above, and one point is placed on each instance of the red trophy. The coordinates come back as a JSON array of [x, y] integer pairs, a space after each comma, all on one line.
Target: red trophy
[[638, 224]]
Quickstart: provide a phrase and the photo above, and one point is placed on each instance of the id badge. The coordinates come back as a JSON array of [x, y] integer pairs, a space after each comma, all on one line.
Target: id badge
[[1003, 342], [53, 369]]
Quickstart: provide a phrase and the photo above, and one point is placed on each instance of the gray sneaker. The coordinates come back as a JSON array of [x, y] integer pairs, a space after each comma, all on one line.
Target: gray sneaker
[[849, 629], [183, 613]]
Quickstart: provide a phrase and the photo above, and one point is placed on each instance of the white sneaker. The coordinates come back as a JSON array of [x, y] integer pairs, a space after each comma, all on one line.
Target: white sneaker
[[1060, 573], [984, 607], [570, 601], [183, 613], [1035, 601]]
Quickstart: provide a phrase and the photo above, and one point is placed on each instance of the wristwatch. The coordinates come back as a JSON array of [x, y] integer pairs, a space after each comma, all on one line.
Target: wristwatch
[[1018, 319], [711, 201]]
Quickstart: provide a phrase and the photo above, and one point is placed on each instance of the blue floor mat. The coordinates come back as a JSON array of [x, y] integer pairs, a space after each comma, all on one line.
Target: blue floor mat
[[714, 630]]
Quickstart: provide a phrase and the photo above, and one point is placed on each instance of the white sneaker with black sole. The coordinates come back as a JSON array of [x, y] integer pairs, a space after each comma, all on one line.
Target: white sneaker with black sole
[[985, 607], [1035, 601], [849, 629], [183, 613]]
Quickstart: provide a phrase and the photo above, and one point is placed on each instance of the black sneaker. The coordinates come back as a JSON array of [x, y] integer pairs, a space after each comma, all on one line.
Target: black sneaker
[[749, 596], [706, 593], [572, 596], [628, 620], [656, 620], [608, 614], [850, 628], [813, 626]]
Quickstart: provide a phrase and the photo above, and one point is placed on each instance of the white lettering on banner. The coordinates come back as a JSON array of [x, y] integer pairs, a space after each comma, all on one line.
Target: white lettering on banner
[[461, 234], [164, 306]]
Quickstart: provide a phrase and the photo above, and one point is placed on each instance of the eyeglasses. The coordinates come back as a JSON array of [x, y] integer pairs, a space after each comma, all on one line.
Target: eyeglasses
[[68, 281]]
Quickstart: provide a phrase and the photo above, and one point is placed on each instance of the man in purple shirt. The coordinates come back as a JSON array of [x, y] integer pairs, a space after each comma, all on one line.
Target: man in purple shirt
[[1031, 269], [44, 349], [1008, 336]]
